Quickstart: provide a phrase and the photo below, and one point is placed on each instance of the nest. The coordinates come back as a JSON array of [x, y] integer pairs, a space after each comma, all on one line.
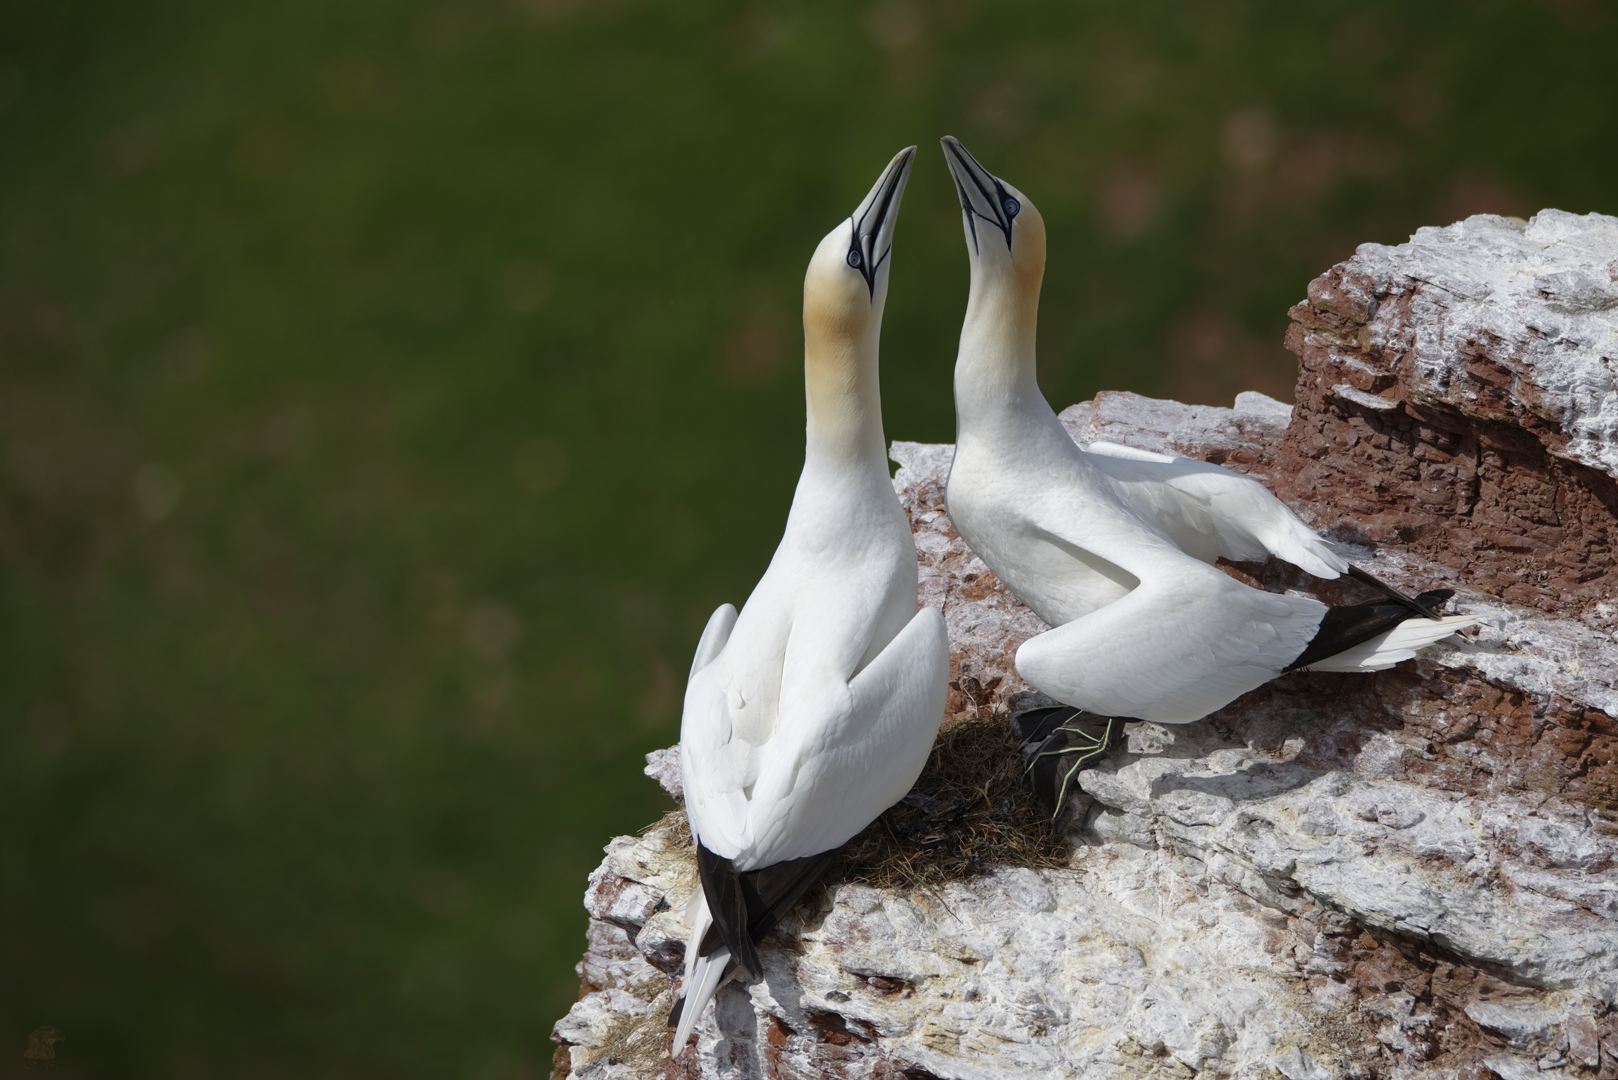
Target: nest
[[967, 814], [678, 829]]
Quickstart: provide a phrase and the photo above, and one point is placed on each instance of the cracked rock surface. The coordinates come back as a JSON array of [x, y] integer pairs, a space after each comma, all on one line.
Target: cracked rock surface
[[1457, 397], [1406, 874]]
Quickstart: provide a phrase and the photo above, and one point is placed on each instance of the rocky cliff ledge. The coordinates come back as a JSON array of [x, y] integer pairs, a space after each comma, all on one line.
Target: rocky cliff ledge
[[1408, 874]]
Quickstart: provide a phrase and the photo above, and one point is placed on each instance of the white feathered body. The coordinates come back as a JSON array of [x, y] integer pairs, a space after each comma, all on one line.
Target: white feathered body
[[1113, 547], [1025, 497], [815, 709]]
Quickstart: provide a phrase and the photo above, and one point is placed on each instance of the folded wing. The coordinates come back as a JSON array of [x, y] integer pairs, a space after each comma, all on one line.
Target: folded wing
[[1210, 511], [717, 766], [858, 751], [714, 636], [1185, 642]]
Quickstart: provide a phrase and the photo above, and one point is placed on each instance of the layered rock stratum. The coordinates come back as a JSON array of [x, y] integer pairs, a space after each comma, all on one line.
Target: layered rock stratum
[[1407, 874]]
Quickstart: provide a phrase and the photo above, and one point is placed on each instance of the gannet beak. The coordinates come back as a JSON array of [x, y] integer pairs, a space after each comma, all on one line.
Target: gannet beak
[[871, 234], [983, 196]]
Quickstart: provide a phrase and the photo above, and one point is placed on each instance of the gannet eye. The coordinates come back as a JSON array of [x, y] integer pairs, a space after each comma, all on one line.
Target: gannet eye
[[1012, 206], [854, 258]]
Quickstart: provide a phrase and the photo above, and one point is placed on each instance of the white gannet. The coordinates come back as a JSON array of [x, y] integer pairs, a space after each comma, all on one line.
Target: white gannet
[[1113, 546], [813, 710]]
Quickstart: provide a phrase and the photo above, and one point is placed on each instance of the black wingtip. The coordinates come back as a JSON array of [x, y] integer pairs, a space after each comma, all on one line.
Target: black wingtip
[[1344, 627], [747, 904], [1413, 603], [722, 888]]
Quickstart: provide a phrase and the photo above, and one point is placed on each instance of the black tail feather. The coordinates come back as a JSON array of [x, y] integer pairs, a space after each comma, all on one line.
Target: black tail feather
[[722, 888], [1059, 742], [1354, 624], [775, 890], [748, 904]]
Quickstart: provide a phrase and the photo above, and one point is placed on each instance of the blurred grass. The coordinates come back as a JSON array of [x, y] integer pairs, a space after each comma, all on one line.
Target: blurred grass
[[389, 391]]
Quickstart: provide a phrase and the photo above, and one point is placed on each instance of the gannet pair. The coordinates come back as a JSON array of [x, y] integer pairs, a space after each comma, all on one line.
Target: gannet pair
[[1113, 546], [815, 708]]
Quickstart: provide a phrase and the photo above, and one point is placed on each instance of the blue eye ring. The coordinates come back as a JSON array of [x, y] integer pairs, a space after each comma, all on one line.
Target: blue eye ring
[[1012, 207], [854, 259]]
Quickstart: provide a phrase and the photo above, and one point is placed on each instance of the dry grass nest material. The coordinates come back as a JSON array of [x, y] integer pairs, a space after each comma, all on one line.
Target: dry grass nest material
[[967, 814]]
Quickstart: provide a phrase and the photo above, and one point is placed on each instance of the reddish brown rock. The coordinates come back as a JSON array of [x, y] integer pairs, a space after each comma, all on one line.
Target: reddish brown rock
[[1455, 400]]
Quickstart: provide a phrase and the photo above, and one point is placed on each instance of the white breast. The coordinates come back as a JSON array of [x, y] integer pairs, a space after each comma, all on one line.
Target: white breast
[[995, 490]]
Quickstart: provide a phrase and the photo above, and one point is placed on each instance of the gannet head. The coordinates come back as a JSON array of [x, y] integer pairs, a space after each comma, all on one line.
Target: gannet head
[[1005, 236], [847, 281]]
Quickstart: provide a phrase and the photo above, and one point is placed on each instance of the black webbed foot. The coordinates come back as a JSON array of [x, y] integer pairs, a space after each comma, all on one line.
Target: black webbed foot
[[1057, 743]]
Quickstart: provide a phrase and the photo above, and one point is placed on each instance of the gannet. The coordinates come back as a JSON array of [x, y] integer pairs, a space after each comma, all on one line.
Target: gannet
[[1113, 546], [815, 708]]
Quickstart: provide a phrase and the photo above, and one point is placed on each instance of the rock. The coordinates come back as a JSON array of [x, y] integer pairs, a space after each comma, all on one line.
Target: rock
[[664, 767], [1406, 874], [1456, 397]]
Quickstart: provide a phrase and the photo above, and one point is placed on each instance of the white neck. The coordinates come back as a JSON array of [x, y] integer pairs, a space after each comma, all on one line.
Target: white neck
[[995, 369]]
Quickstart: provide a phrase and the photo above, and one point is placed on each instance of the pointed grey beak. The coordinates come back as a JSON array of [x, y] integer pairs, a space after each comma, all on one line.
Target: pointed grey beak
[[983, 196], [873, 221]]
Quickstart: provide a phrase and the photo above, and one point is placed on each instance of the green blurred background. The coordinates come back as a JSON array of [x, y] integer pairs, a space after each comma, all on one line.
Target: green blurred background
[[389, 391]]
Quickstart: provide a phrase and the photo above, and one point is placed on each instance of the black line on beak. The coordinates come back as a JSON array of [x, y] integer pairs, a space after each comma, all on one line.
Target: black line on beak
[[996, 198], [870, 262]]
